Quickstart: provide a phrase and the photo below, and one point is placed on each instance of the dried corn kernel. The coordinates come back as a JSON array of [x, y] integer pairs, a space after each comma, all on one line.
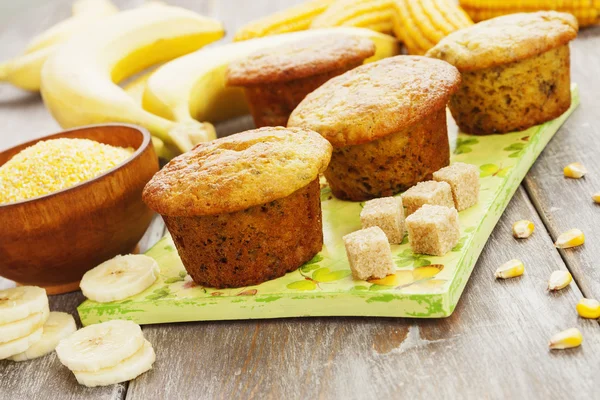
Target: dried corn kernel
[[570, 238], [523, 229], [575, 170], [588, 308], [52, 165], [510, 269], [566, 339], [559, 280], [596, 197]]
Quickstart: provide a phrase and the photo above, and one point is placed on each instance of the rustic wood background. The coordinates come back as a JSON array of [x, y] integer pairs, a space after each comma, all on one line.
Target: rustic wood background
[[493, 346]]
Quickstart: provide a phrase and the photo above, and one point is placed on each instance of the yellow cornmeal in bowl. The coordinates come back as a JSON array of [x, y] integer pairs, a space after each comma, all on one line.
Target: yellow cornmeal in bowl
[[52, 165]]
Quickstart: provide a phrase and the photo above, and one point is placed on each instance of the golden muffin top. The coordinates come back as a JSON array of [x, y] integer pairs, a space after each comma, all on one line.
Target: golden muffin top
[[377, 99], [300, 59], [237, 172], [505, 39]]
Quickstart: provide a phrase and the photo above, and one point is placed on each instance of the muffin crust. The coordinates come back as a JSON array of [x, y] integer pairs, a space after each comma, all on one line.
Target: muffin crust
[[238, 172], [377, 99], [506, 39], [299, 60]]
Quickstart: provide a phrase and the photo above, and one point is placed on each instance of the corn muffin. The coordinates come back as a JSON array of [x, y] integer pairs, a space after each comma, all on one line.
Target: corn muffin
[[515, 71], [387, 123], [245, 208], [276, 80]]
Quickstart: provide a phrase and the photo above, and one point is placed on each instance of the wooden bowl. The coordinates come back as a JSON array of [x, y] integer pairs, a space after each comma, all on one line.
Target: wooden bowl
[[52, 240]]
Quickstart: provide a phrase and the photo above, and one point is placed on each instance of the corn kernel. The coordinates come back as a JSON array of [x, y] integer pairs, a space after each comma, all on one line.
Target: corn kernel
[[559, 280], [510, 269], [523, 229], [566, 339], [588, 308], [570, 238], [596, 197], [575, 170]]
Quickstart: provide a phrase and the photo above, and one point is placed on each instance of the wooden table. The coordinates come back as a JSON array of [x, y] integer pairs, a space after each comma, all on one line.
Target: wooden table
[[493, 346]]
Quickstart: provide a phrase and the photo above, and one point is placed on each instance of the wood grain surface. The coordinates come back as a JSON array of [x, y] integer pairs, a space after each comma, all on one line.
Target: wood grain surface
[[494, 345]]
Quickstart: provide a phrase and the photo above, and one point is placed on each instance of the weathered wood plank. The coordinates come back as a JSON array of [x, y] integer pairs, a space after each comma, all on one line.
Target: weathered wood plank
[[495, 344], [567, 203]]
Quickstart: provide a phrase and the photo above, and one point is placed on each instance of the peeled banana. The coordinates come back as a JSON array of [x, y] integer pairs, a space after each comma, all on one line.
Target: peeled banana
[[21, 302], [24, 71], [58, 326], [193, 87], [78, 81], [119, 278], [100, 346]]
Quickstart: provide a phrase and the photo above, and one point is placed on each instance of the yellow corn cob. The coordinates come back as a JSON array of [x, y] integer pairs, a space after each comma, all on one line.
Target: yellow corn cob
[[421, 24], [587, 12], [596, 197], [559, 280], [566, 339], [510, 269], [575, 170], [522, 229], [297, 18], [372, 14], [588, 308], [570, 238]]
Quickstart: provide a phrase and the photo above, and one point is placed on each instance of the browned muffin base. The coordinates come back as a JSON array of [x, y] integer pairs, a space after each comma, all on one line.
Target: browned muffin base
[[391, 164], [251, 246], [272, 103], [514, 96]]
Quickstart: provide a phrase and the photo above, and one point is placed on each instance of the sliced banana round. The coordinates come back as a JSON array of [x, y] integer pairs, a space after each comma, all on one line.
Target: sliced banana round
[[126, 370], [23, 327], [119, 278], [58, 326], [20, 302], [100, 346], [19, 345]]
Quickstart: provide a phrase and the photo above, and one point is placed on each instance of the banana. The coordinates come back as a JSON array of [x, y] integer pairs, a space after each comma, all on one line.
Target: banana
[[193, 86], [83, 7], [100, 346], [126, 370], [19, 345], [23, 327], [20, 302], [119, 278], [58, 326], [24, 71], [78, 80]]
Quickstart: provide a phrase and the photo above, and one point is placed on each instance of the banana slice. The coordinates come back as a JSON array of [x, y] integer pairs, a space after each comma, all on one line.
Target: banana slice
[[19, 345], [23, 327], [119, 278], [100, 346], [126, 370], [58, 326], [20, 302]]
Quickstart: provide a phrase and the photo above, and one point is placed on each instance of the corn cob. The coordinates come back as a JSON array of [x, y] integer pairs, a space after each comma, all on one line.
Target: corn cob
[[421, 24], [297, 18], [587, 12], [372, 14]]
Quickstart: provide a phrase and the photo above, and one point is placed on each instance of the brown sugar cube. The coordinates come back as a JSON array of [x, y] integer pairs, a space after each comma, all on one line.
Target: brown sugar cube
[[369, 253], [429, 192], [386, 213], [464, 182], [433, 230]]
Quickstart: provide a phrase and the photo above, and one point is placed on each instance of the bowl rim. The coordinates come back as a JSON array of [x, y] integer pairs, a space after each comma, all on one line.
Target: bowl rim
[[146, 141]]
